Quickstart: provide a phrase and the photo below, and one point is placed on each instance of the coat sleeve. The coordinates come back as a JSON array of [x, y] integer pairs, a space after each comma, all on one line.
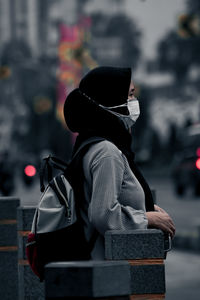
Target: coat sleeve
[[105, 211]]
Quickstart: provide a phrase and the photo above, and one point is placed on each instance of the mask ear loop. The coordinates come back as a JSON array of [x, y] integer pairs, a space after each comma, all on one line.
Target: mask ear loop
[[113, 107], [118, 106], [106, 107], [109, 108]]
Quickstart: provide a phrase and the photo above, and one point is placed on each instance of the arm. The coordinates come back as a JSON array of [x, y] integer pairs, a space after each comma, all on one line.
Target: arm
[[105, 211]]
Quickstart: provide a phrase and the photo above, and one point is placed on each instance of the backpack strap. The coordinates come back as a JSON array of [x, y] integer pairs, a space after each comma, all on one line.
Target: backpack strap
[[59, 188], [78, 155], [74, 167], [48, 163]]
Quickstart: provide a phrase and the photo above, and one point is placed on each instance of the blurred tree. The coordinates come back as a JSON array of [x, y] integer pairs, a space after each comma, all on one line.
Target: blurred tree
[[179, 50], [145, 139], [193, 6], [188, 26], [5, 72], [177, 55], [120, 27], [15, 52]]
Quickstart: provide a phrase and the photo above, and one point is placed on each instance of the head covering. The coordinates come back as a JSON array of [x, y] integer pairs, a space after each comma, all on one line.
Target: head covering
[[108, 86]]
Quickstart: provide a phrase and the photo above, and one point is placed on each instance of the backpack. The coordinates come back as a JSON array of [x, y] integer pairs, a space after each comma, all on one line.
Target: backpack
[[57, 232]]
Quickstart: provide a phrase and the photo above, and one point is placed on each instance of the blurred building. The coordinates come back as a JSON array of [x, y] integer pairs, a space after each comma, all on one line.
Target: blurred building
[[27, 21]]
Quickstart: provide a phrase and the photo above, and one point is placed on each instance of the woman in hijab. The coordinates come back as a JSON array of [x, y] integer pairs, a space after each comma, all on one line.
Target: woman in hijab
[[117, 197]]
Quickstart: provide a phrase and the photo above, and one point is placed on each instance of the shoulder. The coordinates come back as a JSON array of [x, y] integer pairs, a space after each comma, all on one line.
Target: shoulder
[[102, 150]]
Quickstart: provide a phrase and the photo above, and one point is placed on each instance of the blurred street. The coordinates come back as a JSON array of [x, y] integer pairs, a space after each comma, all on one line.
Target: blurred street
[[182, 268], [182, 276], [47, 46], [184, 210]]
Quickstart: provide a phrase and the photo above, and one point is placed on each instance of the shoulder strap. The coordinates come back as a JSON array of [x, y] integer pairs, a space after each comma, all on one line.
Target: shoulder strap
[[78, 155], [51, 162], [85, 145], [48, 163]]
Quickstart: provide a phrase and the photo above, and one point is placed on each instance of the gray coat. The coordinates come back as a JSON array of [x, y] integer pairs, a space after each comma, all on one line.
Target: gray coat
[[115, 199]]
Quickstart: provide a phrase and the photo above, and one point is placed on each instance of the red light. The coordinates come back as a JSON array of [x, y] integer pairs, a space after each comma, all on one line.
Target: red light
[[30, 171], [198, 152], [198, 163]]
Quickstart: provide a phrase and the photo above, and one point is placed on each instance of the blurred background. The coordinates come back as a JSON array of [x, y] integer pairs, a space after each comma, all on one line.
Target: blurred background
[[46, 46]]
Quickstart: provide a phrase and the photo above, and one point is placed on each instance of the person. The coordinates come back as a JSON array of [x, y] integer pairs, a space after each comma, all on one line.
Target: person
[[117, 197]]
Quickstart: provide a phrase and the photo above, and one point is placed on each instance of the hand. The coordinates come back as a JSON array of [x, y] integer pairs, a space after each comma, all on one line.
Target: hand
[[161, 220], [158, 208]]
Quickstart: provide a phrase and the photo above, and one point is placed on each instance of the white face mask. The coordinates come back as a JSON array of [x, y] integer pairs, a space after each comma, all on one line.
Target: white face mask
[[133, 108]]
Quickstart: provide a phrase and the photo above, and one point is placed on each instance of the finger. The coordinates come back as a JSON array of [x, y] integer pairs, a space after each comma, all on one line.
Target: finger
[[172, 231], [172, 223], [164, 211], [158, 208], [167, 227]]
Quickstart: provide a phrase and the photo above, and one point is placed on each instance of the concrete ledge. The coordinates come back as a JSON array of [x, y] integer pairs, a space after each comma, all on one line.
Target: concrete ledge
[[8, 207], [25, 217], [8, 248], [8, 234], [8, 275], [134, 244], [148, 279], [93, 279], [30, 286]]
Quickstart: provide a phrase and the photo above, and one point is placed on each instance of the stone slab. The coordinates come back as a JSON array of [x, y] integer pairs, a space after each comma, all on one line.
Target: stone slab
[[25, 217], [8, 208], [148, 279], [134, 244], [8, 275], [22, 240], [98, 298], [87, 279], [8, 234], [8, 251], [30, 286]]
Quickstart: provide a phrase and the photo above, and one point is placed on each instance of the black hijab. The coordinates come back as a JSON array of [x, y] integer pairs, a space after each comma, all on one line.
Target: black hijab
[[108, 86]]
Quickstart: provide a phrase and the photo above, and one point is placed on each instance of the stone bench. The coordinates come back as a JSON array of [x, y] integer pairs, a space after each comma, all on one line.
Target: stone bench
[[87, 280], [8, 248], [142, 250], [145, 252], [133, 269]]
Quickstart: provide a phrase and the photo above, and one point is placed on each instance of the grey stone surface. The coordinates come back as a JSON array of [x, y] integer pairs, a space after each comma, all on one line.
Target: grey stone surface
[[87, 279], [8, 275], [8, 256], [91, 298], [25, 217], [148, 279], [8, 234], [22, 240], [134, 244], [8, 208], [30, 286]]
